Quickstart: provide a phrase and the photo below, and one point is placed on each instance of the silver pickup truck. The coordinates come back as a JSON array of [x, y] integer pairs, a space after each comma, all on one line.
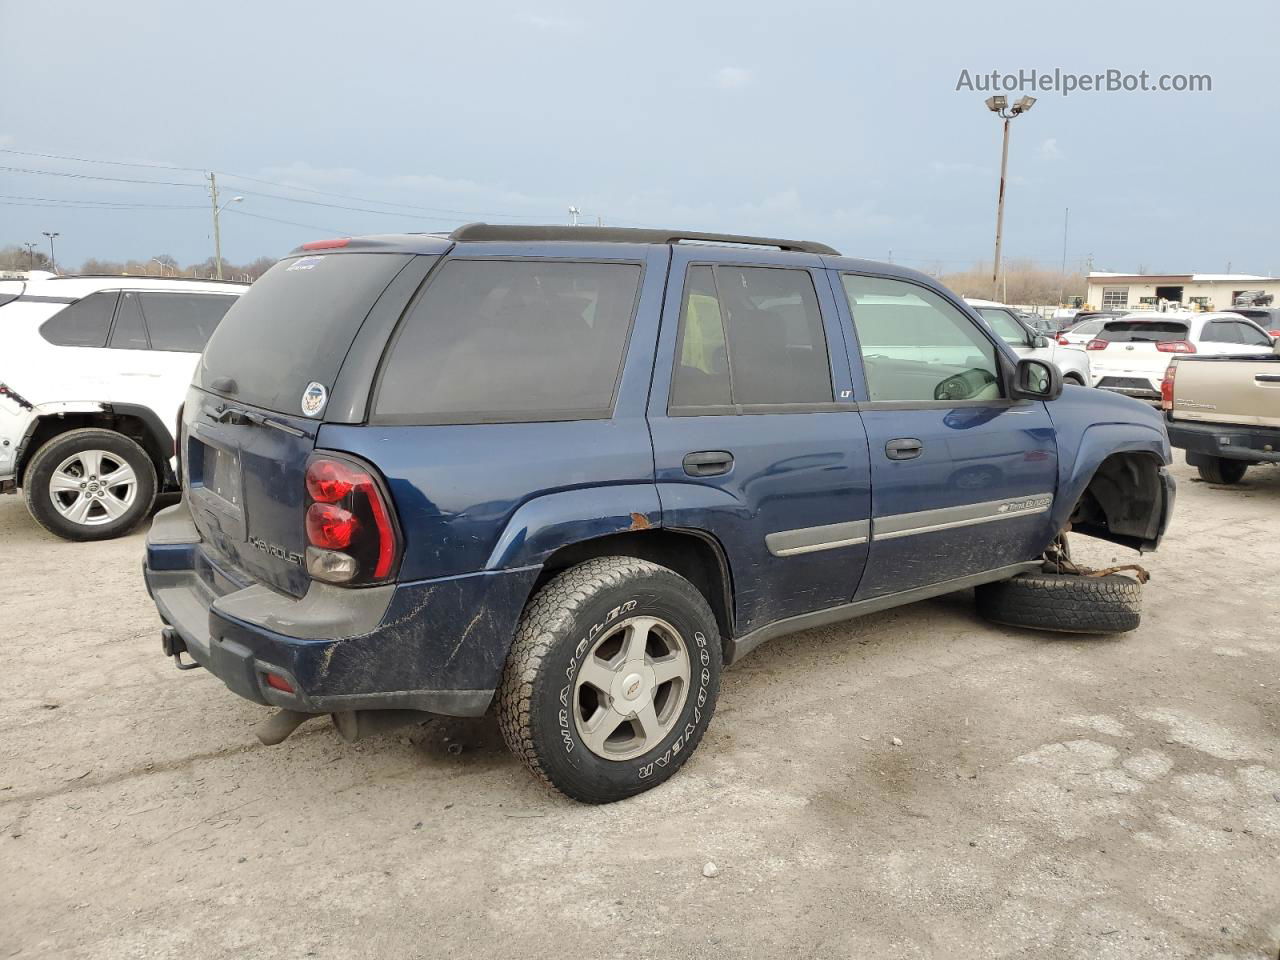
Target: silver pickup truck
[[1224, 412]]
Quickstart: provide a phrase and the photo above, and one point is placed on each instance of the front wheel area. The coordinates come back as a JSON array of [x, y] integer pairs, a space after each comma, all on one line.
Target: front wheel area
[[612, 679], [89, 484]]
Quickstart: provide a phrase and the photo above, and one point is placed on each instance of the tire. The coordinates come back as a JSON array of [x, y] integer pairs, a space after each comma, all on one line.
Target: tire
[[86, 513], [1221, 470], [1073, 379], [549, 699], [1064, 603]]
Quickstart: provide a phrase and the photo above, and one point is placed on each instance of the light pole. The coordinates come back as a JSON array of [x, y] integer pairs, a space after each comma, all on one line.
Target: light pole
[[1000, 105], [162, 265], [574, 214], [53, 260], [31, 255], [217, 230]]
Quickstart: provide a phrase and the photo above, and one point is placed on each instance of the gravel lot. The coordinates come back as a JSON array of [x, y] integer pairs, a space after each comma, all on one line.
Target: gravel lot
[[1049, 797]]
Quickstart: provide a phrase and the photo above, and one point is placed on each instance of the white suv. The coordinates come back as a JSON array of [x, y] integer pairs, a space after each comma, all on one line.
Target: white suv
[[1009, 327], [1131, 354], [92, 373]]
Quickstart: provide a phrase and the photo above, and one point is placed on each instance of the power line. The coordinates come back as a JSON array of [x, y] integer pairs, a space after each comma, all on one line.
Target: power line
[[309, 226], [247, 179], [89, 176], [103, 203], [113, 163]]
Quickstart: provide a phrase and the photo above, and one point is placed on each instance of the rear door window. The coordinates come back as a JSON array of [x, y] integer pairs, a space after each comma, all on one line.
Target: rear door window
[[749, 337], [182, 321], [1142, 331], [1251, 336], [1221, 331], [84, 323], [504, 341], [294, 326]]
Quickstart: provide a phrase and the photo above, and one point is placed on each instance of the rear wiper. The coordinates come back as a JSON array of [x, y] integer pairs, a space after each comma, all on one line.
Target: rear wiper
[[240, 418]]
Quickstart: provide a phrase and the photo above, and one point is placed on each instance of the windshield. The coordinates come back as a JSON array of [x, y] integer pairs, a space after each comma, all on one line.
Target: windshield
[[294, 326], [1005, 327], [1140, 331]]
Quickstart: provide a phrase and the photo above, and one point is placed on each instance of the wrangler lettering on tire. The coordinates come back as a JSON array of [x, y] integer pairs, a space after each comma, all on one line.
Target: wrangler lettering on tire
[[612, 678]]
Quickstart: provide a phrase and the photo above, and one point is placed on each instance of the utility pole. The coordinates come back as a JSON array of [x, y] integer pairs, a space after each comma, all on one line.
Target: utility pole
[[1000, 105], [1062, 287], [31, 255], [53, 260], [217, 231]]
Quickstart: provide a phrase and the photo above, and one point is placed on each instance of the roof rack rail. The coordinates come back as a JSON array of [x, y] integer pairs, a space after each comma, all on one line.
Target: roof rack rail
[[514, 233]]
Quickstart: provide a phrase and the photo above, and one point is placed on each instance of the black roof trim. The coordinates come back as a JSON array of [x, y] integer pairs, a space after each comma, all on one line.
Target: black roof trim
[[134, 276], [515, 233]]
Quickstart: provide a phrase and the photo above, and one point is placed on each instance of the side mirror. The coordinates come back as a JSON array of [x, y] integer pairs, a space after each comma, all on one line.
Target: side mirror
[[1040, 342], [1036, 380]]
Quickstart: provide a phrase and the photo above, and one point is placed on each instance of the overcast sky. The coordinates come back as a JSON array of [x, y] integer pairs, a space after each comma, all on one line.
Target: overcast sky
[[835, 122]]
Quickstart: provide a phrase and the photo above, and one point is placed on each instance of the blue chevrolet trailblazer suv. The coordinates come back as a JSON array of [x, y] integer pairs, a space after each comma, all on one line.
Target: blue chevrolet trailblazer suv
[[569, 473]]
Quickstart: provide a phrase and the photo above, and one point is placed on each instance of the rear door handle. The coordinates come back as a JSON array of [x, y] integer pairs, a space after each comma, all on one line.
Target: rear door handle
[[708, 463], [904, 448], [1267, 377]]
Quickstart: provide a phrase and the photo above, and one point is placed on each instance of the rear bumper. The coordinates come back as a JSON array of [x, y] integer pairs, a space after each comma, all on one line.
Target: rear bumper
[[1226, 441], [437, 646]]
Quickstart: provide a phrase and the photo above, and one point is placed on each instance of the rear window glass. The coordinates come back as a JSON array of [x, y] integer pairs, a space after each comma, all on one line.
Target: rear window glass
[[508, 341], [83, 324], [295, 325], [1135, 331], [183, 321]]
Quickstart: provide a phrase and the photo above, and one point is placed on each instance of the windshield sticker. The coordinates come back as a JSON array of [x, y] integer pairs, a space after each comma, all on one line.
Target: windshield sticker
[[314, 397], [304, 263]]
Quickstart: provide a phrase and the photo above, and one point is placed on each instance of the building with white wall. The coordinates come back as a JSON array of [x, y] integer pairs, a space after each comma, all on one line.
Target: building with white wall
[[1204, 291]]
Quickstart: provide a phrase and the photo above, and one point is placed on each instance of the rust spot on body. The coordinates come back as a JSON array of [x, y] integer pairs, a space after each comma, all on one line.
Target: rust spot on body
[[639, 522]]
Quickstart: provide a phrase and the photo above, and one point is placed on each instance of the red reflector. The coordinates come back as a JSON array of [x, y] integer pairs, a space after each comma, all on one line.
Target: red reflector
[[327, 244], [1175, 346], [279, 682], [328, 481], [330, 526], [1096, 344]]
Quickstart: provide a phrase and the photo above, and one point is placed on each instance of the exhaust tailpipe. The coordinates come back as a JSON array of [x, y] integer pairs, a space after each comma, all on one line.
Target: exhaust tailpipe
[[277, 727]]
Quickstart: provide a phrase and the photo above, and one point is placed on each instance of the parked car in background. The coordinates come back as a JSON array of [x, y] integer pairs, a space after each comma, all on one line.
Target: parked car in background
[[92, 372], [1026, 342], [1085, 316], [1224, 412], [568, 472], [1131, 355], [1268, 318], [1080, 334]]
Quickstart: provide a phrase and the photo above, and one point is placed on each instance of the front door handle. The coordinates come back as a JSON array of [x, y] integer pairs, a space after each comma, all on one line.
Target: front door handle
[[1266, 377], [904, 448], [708, 463]]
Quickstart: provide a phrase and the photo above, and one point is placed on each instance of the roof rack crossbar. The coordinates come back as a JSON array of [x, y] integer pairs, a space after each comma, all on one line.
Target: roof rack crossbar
[[513, 233]]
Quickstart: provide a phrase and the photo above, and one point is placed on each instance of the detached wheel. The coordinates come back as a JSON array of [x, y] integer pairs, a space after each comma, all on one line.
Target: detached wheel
[[89, 484], [612, 679], [1064, 603], [1222, 470]]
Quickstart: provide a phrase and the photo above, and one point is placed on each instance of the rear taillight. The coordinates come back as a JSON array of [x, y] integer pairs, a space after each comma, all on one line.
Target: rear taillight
[[1275, 334], [351, 534], [1096, 345], [1166, 387], [1176, 346], [1063, 341]]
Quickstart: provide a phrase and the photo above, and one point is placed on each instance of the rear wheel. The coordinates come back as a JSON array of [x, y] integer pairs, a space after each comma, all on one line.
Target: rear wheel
[[612, 679], [1221, 470], [89, 484], [1064, 603]]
